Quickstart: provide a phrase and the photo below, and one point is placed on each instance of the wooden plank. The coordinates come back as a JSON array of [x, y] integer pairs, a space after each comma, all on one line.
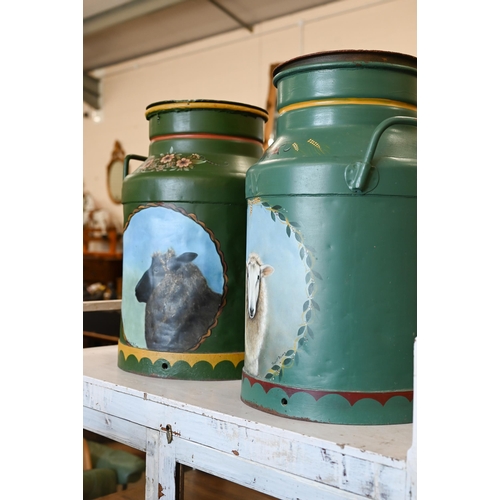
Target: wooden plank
[[100, 336], [279, 484], [102, 305], [115, 428], [167, 460], [322, 461], [152, 464], [411, 476]]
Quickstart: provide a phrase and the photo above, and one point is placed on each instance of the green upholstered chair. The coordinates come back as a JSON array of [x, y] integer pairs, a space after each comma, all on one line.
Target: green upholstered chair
[[106, 467]]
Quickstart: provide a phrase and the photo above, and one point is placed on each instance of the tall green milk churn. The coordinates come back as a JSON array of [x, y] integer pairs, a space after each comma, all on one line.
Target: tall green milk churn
[[331, 243], [183, 290]]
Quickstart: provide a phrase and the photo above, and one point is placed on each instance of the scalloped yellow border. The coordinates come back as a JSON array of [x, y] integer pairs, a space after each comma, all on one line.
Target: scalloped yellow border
[[173, 357]]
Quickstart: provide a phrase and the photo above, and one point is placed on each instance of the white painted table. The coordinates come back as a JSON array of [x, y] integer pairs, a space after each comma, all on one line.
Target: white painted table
[[206, 426]]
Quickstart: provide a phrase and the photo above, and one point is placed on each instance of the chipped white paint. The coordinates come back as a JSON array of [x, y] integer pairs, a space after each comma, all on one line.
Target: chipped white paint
[[215, 432], [411, 477]]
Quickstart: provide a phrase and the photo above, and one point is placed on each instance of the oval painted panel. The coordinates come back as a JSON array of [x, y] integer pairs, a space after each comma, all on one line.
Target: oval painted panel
[[173, 280], [276, 292]]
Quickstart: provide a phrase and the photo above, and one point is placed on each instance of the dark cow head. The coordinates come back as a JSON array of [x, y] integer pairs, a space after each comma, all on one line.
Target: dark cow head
[[161, 264]]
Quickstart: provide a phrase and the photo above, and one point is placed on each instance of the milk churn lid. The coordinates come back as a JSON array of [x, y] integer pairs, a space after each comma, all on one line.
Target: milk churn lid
[[205, 104], [348, 56]]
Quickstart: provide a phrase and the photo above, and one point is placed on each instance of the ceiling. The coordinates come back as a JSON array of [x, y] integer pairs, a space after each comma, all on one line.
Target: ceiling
[[116, 31]]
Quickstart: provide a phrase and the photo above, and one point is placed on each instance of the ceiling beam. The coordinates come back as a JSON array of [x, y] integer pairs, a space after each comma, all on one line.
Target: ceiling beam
[[125, 12], [231, 15], [91, 91]]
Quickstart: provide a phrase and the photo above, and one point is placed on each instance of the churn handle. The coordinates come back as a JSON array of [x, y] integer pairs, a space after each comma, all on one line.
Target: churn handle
[[357, 183], [127, 160]]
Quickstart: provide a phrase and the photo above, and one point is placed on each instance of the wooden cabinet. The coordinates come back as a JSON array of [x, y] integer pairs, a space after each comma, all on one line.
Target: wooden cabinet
[[103, 269], [105, 264]]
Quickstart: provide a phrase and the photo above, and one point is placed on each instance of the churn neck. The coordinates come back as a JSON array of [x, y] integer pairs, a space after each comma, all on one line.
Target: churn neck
[[217, 118], [335, 78]]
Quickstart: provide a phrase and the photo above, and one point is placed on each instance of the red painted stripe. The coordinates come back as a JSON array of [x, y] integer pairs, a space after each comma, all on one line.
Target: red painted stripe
[[205, 136], [352, 397]]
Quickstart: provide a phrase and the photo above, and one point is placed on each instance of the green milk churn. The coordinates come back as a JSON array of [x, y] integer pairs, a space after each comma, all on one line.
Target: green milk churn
[[184, 241], [331, 243]]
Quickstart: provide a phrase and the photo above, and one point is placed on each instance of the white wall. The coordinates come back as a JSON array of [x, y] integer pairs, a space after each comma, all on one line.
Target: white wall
[[233, 67]]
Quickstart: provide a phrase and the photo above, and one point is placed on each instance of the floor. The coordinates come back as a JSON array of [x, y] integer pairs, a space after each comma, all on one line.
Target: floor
[[197, 486]]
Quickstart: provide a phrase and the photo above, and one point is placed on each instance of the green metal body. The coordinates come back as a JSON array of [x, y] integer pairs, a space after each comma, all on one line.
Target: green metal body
[[187, 198], [332, 209]]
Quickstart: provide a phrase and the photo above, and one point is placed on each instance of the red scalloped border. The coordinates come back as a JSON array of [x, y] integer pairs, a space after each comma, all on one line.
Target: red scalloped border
[[352, 397]]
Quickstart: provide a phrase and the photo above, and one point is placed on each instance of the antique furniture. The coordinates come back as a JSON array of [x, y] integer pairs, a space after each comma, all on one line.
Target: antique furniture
[[207, 427]]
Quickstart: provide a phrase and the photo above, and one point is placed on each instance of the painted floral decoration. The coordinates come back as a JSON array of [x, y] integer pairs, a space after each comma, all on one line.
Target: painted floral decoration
[[167, 158], [172, 161], [184, 163]]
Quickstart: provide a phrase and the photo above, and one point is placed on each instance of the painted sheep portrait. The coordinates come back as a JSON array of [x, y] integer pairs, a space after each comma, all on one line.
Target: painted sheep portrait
[[180, 305], [256, 305]]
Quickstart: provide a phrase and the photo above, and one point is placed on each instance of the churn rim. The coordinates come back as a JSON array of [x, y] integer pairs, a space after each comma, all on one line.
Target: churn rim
[[361, 56], [187, 104]]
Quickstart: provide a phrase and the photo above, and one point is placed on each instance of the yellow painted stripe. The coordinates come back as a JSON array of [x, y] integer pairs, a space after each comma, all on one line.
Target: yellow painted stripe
[[347, 100], [173, 357], [207, 105]]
